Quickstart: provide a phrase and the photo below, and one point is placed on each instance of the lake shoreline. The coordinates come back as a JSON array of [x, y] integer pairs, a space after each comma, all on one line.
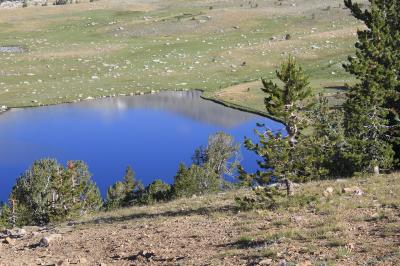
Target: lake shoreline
[[221, 102]]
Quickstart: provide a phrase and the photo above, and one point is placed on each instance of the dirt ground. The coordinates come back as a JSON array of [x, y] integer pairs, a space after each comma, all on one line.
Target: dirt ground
[[341, 228]]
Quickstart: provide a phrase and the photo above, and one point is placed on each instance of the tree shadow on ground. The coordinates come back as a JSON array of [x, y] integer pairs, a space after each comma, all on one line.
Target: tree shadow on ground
[[245, 244], [175, 213], [338, 88]]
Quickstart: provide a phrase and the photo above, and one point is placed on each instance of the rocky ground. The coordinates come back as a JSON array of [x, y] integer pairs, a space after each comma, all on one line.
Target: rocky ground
[[345, 222]]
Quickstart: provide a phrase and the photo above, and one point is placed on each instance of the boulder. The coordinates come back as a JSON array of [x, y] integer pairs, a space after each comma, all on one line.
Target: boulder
[[328, 192], [265, 262], [353, 190], [45, 241], [8, 240]]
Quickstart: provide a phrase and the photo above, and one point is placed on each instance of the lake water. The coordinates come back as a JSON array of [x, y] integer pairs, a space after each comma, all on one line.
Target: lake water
[[152, 133]]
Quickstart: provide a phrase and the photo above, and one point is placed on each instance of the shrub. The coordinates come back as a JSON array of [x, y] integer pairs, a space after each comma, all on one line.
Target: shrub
[[50, 192], [60, 2], [195, 180], [123, 193], [4, 216], [157, 191], [115, 196], [221, 154]]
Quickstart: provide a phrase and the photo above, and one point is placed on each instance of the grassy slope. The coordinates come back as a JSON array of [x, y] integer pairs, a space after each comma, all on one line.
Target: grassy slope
[[116, 47], [342, 229]]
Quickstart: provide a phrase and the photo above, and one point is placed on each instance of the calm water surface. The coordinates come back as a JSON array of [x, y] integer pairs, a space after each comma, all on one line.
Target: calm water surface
[[152, 133]]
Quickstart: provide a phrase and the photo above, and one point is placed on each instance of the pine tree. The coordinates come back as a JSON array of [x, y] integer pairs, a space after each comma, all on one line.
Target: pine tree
[[129, 180], [328, 141], [115, 196], [49, 192], [288, 103], [372, 108], [282, 157], [221, 155], [124, 193], [195, 180]]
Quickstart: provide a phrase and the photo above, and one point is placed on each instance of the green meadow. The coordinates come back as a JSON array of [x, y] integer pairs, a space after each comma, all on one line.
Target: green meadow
[[109, 48]]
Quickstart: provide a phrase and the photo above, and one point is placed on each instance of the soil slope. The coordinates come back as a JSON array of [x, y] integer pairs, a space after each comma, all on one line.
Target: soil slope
[[344, 222]]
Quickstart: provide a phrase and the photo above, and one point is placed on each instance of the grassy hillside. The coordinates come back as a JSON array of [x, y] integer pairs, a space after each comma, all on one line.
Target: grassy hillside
[[114, 47], [343, 228]]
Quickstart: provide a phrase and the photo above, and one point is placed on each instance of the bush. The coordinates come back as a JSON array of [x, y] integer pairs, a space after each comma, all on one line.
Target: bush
[[4, 216], [195, 180], [123, 193], [60, 2], [210, 165], [158, 191], [50, 192], [116, 196], [272, 198]]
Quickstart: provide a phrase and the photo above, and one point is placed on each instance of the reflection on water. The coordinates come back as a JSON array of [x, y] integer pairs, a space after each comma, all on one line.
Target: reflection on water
[[152, 133], [186, 103]]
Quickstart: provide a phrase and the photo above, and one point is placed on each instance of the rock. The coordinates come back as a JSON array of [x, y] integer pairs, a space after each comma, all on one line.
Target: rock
[[9, 240], [7, 232], [350, 246], [17, 233], [11, 4], [304, 263], [265, 262], [375, 216], [328, 192], [282, 263], [83, 260], [45, 241], [20, 232], [353, 190]]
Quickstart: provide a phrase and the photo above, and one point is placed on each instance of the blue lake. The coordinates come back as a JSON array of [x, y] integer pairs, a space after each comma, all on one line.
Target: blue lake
[[152, 133]]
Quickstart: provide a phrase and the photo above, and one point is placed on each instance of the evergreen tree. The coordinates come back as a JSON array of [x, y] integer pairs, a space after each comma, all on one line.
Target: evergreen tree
[[289, 102], [372, 110], [195, 180], [116, 195], [124, 193], [221, 155], [283, 158], [157, 191], [129, 180], [328, 141], [5, 214], [131, 186], [49, 192]]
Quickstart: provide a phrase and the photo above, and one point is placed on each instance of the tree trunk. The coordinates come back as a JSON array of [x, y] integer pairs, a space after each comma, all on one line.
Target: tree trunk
[[376, 170], [289, 187], [292, 132]]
